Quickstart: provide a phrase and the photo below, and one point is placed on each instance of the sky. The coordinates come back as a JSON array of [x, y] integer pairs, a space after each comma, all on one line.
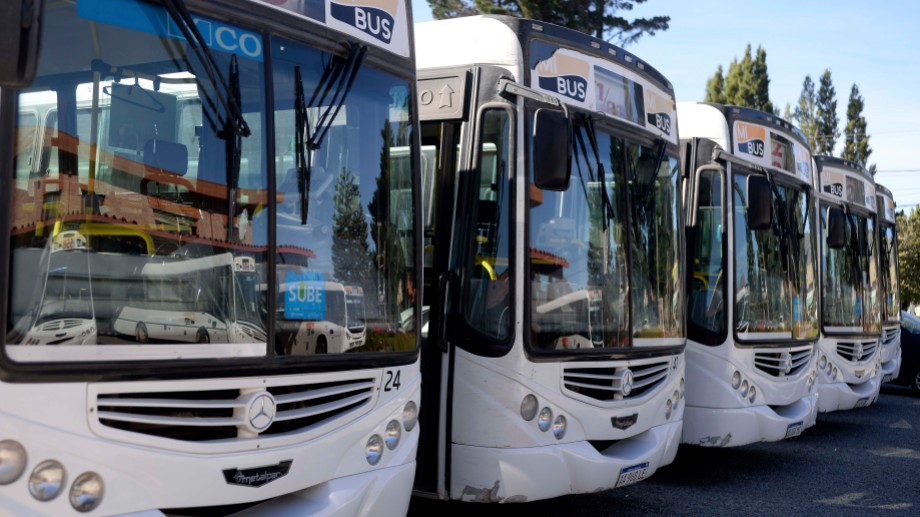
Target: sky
[[875, 45]]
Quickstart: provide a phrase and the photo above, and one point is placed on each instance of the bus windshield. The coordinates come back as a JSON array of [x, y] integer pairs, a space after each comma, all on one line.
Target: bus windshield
[[851, 278], [775, 268], [586, 291], [888, 259]]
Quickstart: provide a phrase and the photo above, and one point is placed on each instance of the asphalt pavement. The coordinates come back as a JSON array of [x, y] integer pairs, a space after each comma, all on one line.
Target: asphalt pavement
[[860, 462]]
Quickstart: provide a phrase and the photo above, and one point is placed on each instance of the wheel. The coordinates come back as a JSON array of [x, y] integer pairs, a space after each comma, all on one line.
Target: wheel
[[915, 380], [203, 336], [140, 333], [321, 345]]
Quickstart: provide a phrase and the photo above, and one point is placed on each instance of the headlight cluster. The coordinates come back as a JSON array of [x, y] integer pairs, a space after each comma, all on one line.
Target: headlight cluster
[[88, 332], [825, 365], [745, 389], [671, 405], [49, 478], [811, 378], [392, 434], [545, 420]]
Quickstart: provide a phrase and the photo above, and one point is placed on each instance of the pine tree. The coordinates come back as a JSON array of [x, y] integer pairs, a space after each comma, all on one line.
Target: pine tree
[[826, 116], [733, 82], [787, 112], [351, 258], [745, 95], [761, 82], [856, 140], [715, 88], [805, 112]]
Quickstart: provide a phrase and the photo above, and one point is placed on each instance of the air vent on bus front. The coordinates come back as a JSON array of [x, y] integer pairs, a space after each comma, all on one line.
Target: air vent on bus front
[[889, 335], [198, 415], [607, 383], [856, 351], [783, 363]]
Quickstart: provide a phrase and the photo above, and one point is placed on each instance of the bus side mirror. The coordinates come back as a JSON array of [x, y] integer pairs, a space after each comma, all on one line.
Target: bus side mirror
[[552, 150], [759, 203], [836, 228], [20, 29]]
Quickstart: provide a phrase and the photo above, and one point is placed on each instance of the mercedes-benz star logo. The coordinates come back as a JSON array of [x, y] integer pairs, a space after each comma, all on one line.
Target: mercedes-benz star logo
[[858, 351], [261, 412], [626, 383], [787, 363]]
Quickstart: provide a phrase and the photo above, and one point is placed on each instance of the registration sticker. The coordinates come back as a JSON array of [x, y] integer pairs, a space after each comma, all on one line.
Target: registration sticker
[[795, 429], [863, 402], [633, 474]]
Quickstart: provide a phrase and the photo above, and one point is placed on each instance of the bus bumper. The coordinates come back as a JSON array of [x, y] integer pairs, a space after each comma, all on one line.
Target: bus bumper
[[839, 396], [499, 475], [892, 369], [711, 427]]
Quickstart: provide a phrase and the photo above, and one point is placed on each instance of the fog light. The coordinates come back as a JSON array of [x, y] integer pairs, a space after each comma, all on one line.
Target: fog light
[[667, 409], [529, 408], [559, 427], [410, 416], [736, 379], [373, 451], [87, 491], [13, 460], [753, 394], [744, 389], [823, 362], [392, 435], [46, 480], [545, 419]]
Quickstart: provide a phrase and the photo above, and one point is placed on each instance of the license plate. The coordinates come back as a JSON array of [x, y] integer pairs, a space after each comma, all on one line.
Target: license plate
[[862, 402], [633, 474], [795, 429], [887, 378]]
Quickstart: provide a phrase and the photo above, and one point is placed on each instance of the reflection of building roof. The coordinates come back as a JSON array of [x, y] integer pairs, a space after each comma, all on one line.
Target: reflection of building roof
[[545, 258]]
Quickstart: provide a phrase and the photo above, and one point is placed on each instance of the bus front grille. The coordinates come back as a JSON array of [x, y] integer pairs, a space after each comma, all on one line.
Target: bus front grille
[[783, 363], [856, 351], [889, 335], [227, 415], [610, 383]]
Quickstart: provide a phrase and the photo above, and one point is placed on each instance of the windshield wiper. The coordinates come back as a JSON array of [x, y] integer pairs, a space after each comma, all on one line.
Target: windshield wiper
[[337, 79], [608, 211], [645, 197]]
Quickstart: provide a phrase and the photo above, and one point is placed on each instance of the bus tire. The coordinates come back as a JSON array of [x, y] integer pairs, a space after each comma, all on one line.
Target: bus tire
[[915, 380], [140, 333], [321, 347], [203, 336]]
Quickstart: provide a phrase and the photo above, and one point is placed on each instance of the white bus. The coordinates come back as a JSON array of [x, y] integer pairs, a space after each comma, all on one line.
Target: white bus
[[340, 329], [172, 135], [752, 277], [849, 355], [553, 237], [890, 292]]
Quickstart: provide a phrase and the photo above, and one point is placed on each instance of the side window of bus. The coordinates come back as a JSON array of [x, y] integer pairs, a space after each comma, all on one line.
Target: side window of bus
[[489, 290], [26, 129], [707, 298]]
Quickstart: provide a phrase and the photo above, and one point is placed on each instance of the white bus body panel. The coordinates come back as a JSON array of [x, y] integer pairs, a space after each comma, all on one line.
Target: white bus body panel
[[484, 41], [174, 326], [891, 353], [329, 474]]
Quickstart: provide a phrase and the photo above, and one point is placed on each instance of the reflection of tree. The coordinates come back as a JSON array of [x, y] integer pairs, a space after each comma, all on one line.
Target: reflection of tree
[[350, 255]]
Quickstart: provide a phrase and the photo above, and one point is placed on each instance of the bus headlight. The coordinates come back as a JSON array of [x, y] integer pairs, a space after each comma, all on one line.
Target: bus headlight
[[559, 427], [392, 435], [529, 407], [681, 386], [46, 480], [373, 451], [410, 416], [86, 492], [13, 460], [744, 389], [545, 419], [668, 406], [753, 394], [823, 362], [736, 379], [834, 376]]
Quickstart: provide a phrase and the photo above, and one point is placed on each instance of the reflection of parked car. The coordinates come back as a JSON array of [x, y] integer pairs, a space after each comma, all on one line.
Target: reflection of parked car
[[910, 352]]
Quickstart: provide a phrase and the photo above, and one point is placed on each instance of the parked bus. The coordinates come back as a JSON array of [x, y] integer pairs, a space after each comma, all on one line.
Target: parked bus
[[751, 275], [554, 356], [890, 293], [849, 356], [341, 327], [172, 137]]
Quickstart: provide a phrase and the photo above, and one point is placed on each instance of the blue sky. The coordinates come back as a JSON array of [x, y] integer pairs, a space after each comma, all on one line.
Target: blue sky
[[873, 44]]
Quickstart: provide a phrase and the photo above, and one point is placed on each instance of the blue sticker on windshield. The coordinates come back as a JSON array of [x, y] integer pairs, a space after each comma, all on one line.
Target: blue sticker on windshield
[[304, 296], [154, 19]]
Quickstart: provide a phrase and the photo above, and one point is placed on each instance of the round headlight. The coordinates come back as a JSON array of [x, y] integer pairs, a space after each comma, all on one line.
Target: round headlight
[[753, 393], [681, 386], [559, 427], [392, 435], [736, 379], [529, 408], [373, 451], [410, 416], [46, 480], [13, 460], [835, 372], [744, 389], [545, 419], [823, 362], [86, 492], [668, 406], [676, 362]]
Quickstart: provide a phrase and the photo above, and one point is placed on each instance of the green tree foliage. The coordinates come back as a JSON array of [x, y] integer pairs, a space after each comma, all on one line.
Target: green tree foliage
[[715, 88], [826, 116], [909, 256], [351, 259], [805, 111], [747, 82], [787, 112], [856, 140], [598, 18]]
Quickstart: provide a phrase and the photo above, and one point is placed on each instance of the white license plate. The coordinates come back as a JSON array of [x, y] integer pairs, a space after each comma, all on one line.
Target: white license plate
[[862, 402], [888, 377], [795, 429], [633, 474]]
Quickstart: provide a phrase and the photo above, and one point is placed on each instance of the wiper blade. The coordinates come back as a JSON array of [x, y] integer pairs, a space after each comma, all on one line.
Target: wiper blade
[[303, 165], [601, 175]]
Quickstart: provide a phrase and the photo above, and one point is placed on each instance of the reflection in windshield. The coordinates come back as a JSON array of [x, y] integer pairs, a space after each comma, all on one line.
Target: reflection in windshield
[[888, 258], [850, 277], [775, 268]]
